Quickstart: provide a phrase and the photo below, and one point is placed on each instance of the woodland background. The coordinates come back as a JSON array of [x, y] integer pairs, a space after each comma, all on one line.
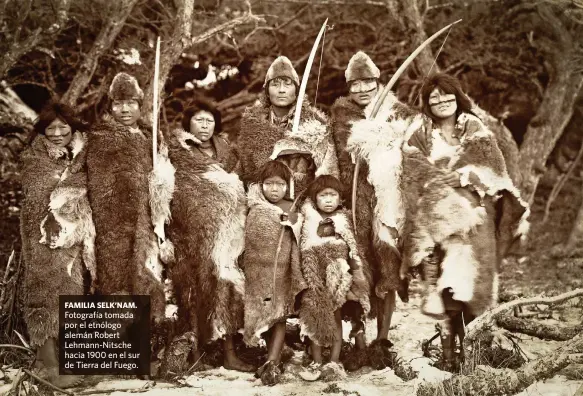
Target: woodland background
[[521, 61]]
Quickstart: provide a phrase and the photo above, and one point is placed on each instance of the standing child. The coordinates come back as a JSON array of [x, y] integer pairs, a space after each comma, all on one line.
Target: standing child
[[271, 288], [331, 265]]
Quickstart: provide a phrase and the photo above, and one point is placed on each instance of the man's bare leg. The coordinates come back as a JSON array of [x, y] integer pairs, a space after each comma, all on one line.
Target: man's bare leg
[[47, 353], [386, 314], [231, 361]]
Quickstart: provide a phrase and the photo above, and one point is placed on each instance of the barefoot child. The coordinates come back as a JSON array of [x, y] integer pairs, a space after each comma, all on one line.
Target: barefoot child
[[332, 268], [270, 289]]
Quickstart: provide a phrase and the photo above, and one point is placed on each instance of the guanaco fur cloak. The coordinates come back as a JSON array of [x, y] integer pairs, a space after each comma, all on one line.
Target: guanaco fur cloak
[[333, 272], [130, 205], [57, 231], [260, 140], [208, 230], [270, 292], [378, 205], [472, 227]]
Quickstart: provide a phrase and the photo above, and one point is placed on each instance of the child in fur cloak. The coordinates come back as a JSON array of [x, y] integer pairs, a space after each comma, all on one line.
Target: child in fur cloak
[[208, 230], [56, 228], [465, 211], [266, 131], [379, 208], [333, 270], [270, 293], [130, 200]]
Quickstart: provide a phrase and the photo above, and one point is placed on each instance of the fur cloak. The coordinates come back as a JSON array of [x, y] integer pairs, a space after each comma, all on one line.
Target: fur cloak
[[225, 156], [379, 203], [474, 225], [333, 271], [259, 141], [268, 300], [208, 230], [57, 232], [130, 205]]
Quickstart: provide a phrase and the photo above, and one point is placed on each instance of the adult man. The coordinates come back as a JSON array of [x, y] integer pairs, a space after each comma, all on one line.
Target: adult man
[[127, 198], [379, 210]]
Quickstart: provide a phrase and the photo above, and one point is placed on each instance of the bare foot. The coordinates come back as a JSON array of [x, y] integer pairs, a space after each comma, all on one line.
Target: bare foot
[[238, 365], [63, 381]]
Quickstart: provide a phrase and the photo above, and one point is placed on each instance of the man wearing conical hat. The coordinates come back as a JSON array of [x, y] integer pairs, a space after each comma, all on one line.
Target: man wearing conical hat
[[266, 131], [130, 202], [379, 210]]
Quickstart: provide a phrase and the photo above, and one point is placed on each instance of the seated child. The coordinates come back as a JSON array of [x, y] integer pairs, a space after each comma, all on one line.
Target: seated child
[[270, 289], [331, 266]]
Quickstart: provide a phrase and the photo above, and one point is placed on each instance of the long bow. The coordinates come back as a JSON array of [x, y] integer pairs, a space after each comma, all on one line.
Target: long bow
[[295, 128], [381, 99]]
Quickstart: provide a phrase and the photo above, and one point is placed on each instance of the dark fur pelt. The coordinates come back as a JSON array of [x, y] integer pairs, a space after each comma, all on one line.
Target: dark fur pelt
[[381, 265], [473, 225], [55, 266], [207, 229], [119, 164], [263, 308], [258, 140], [333, 271]]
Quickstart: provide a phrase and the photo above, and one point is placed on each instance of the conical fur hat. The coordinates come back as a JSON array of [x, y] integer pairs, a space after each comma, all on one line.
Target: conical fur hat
[[361, 67], [281, 67], [125, 87]]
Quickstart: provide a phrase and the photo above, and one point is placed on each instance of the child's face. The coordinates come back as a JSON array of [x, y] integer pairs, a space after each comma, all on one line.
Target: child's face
[[328, 200], [274, 188]]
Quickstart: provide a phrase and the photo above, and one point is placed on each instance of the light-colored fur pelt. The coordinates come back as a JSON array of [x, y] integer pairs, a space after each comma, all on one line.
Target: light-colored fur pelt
[[207, 228], [270, 293], [53, 254], [119, 166], [333, 270], [460, 221]]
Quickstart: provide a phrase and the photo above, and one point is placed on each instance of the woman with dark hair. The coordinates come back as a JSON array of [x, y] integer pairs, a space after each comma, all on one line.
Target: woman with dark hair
[[463, 210], [55, 256], [208, 231], [203, 121]]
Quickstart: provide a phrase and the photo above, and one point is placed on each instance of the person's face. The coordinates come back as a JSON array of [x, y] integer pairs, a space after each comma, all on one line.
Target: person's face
[[442, 105], [282, 92], [328, 200], [126, 112], [59, 132], [274, 189], [202, 125], [363, 91]]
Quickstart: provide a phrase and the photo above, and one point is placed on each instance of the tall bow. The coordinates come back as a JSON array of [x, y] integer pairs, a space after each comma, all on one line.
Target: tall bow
[[295, 128], [381, 99]]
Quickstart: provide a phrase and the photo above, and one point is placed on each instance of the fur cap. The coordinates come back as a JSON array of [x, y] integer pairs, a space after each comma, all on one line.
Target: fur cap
[[281, 67], [361, 67], [125, 87]]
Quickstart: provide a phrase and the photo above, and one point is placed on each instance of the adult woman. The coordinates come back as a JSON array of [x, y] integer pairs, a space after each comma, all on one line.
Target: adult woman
[[466, 212], [54, 187], [203, 120], [207, 230]]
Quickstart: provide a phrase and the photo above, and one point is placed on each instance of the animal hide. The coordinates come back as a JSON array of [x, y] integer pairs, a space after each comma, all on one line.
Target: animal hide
[[473, 225], [333, 270], [259, 141], [57, 232], [379, 202], [269, 297], [208, 231], [119, 173]]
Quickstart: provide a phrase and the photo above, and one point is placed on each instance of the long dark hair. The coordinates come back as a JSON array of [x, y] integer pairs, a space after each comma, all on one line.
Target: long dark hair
[[53, 110], [201, 105], [449, 85], [274, 168]]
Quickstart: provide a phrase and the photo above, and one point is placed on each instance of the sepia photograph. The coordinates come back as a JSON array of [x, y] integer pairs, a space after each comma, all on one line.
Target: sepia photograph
[[291, 197]]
